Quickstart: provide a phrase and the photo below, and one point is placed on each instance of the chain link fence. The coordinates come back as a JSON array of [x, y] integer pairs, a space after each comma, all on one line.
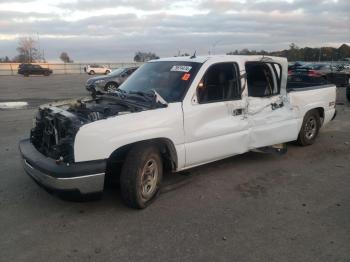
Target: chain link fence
[[61, 68]]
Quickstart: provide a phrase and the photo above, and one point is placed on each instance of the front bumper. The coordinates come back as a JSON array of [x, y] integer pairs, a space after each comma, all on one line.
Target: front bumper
[[85, 177]]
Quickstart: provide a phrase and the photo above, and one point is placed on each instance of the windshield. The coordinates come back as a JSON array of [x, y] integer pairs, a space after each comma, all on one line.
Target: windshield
[[170, 79], [117, 72]]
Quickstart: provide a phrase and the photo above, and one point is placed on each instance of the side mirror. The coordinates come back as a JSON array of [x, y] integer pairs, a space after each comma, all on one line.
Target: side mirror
[[199, 92]]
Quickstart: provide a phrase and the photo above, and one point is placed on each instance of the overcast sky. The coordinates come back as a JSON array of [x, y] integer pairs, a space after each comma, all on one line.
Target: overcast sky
[[106, 30]]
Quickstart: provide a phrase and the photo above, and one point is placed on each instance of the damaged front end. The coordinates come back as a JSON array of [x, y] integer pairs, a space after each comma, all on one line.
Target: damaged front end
[[56, 124]]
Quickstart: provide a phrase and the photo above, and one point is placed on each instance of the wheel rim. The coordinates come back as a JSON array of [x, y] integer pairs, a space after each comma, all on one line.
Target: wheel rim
[[310, 127], [149, 178], [111, 88]]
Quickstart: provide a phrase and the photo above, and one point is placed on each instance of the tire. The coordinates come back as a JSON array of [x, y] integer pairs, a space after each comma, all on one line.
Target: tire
[[309, 129], [107, 72], [46, 73], [142, 159], [91, 72], [111, 87]]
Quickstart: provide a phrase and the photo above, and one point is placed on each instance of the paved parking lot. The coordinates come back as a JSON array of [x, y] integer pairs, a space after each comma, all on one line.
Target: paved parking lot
[[252, 207]]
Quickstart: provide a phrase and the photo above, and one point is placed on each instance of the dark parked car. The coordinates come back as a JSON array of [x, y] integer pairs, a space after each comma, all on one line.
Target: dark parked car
[[110, 82], [30, 69], [314, 70], [319, 72], [294, 66]]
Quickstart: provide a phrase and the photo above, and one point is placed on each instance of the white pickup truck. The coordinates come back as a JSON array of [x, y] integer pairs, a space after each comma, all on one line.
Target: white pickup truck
[[170, 115]]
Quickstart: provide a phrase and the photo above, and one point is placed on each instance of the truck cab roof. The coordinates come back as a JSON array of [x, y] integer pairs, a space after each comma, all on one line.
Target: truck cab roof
[[223, 58]]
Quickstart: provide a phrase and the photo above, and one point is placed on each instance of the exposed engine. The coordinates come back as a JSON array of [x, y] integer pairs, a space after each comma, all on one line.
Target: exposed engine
[[56, 124]]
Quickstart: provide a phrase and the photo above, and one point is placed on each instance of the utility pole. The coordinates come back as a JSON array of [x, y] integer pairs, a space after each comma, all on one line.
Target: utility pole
[[37, 35], [214, 45]]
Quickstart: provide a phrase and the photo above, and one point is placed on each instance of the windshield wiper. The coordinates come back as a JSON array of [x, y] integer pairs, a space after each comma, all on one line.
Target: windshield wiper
[[159, 98], [153, 97]]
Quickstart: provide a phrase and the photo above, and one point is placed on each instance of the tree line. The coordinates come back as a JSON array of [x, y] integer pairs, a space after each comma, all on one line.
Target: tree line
[[308, 54]]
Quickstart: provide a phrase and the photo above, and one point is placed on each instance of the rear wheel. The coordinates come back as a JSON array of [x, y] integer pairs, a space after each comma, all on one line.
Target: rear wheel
[[107, 72], [91, 72], [310, 128], [46, 73], [141, 175], [111, 87]]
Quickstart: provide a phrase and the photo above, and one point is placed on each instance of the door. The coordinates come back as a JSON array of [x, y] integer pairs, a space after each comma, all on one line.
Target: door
[[214, 121], [30, 69], [36, 70], [99, 69], [271, 118]]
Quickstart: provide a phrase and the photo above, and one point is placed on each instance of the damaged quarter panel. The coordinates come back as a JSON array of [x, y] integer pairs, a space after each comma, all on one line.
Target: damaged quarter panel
[[99, 139], [321, 97]]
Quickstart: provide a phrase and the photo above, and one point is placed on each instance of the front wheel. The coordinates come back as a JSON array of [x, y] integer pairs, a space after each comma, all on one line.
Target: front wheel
[[310, 128], [107, 72], [141, 175], [92, 72]]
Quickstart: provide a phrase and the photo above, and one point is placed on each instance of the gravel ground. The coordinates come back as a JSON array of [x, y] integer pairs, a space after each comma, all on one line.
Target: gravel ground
[[252, 207]]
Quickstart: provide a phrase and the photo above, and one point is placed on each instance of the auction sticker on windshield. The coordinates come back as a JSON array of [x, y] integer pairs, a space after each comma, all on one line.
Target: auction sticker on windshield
[[181, 68]]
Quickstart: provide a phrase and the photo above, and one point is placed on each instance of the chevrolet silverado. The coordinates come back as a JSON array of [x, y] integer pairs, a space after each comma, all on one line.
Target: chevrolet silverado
[[172, 114]]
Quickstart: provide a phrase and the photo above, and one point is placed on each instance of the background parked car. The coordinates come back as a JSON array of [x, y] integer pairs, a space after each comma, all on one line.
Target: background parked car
[[30, 69], [319, 72], [294, 66], [314, 70], [110, 82], [98, 69]]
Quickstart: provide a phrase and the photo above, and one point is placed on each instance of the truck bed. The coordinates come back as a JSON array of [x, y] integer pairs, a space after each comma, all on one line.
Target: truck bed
[[308, 97]]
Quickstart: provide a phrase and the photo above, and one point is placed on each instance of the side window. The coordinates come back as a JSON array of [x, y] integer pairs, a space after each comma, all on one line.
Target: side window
[[264, 79], [220, 83]]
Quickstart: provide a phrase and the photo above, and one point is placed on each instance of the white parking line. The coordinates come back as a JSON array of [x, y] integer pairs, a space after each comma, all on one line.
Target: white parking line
[[13, 105]]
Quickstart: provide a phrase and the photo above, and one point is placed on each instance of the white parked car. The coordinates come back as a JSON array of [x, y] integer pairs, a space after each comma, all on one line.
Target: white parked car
[[173, 114], [98, 69]]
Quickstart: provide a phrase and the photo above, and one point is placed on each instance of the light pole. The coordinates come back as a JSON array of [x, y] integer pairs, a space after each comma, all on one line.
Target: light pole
[[213, 47]]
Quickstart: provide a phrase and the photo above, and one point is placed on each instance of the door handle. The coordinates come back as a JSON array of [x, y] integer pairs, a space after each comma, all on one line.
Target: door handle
[[237, 112], [275, 106]]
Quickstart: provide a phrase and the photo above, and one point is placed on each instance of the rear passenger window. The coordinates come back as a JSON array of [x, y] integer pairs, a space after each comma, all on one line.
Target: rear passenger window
[[264, 79], [220, 83]]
